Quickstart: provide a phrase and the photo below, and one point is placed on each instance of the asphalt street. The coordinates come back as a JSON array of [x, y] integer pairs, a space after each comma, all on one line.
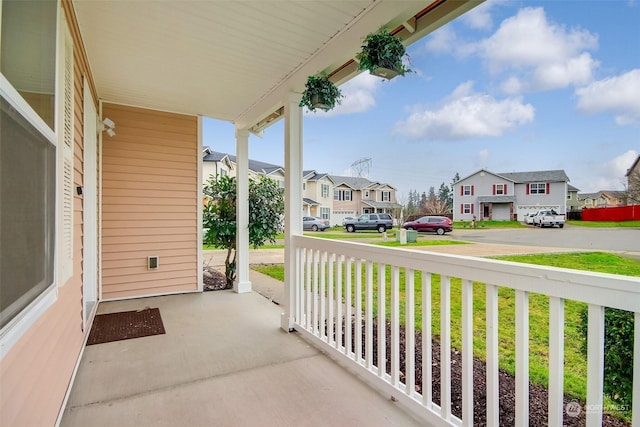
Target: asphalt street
[[576, 237]]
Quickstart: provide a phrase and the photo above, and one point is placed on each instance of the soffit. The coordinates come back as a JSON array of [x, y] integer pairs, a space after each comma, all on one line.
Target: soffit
[[231, 60]]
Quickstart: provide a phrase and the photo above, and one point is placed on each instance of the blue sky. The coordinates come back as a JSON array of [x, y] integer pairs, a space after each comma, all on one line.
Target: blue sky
[[511, 86]]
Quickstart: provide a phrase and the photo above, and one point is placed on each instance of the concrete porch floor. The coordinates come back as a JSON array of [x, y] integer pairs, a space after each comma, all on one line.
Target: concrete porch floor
[[224, 361]]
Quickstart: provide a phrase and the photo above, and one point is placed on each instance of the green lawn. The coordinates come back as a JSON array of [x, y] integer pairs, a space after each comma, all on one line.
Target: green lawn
[[605, 224], [575, 362], [419, 242]]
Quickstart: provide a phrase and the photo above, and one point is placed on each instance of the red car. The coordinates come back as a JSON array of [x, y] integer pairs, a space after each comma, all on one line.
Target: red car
[[438, 224]]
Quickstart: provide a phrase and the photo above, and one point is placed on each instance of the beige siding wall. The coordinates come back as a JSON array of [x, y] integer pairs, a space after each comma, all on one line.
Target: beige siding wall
[[35, 373], [149, 202]]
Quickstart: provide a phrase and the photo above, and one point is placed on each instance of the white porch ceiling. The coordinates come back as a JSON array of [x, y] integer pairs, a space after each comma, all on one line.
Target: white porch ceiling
[[233, 60]]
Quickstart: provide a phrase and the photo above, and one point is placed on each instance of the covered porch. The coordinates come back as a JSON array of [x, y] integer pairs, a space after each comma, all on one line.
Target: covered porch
[[223, 361]]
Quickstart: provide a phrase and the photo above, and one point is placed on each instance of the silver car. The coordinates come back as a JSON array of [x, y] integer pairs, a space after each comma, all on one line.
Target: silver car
[[314, 224]]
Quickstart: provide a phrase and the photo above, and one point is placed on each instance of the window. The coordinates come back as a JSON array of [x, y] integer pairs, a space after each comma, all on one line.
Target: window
[[467, 190], [342, 195], [365, 194], [324, 213], [386, 196], [280, 184], [538, 188], [36, 162], [304, 186], [500, 189], [466, 208], [569, 196], [223, 172], [325, 190]]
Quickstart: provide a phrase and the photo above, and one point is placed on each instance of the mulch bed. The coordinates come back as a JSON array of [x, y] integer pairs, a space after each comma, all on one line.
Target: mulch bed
[[213, 280], [538, 395]]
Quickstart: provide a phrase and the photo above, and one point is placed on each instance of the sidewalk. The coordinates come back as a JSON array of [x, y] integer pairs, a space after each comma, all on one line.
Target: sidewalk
[[273, 289]]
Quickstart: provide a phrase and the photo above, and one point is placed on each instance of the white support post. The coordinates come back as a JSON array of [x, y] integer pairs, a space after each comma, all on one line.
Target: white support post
[[242, 283], [293, 201]]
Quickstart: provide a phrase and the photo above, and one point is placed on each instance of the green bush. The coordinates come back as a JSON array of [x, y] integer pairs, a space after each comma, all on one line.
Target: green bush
[[618, 353]]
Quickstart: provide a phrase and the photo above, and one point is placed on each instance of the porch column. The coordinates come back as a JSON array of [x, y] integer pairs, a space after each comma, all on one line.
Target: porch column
[[293, 201], [242, 283]]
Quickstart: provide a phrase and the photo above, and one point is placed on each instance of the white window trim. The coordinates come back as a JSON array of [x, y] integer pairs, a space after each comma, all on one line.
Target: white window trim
[[467, 207], [464, 190], [11, 333]]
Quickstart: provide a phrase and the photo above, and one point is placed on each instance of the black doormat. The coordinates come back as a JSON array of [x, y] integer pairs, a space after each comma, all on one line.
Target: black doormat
[[125, 325]]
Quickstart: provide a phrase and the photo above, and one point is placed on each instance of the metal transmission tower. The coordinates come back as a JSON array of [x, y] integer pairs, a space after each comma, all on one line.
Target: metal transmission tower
[[360, 168]]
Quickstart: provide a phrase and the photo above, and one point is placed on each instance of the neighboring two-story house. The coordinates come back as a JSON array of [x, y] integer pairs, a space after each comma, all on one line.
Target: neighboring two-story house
[[633, 183], [317, 193], [485, 195], [573, 204], [353, 196], [602, 199]]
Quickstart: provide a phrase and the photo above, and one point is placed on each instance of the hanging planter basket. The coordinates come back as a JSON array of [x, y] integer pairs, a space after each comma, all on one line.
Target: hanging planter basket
[[320, 93], [382, 55]]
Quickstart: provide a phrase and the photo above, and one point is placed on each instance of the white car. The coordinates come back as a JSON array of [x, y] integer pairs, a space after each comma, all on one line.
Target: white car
[[528, 218]]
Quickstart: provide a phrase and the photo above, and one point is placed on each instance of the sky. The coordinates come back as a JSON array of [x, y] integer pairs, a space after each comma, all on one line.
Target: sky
[[511, 86]]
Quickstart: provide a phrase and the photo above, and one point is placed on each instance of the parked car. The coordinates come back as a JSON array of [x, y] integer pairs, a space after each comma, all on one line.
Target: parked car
[[548, 218], [347, 219], [314, 224], [437, 224], [381, 222], [528, 218]]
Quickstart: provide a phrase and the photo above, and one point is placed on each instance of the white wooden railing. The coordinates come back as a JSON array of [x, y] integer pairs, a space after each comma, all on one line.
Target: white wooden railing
[[334, 290]]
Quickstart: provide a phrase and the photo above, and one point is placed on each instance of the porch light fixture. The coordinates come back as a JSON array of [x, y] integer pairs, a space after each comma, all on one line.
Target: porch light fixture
[[107, 125]]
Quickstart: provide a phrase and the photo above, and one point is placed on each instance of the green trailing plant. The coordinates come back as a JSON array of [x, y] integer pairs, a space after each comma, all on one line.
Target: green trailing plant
[[266, 210], [381, 54], [320, 92]]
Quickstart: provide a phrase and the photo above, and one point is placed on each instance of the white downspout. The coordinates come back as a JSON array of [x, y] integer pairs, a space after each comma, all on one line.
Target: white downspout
[[242, 283], [293, 201]]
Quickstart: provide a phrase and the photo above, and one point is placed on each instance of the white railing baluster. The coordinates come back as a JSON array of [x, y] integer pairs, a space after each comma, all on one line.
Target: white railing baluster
[[308, 318], [382, 321], [409, 332], [323, 295], [395, 326], [635, 404], [316, 312], [427, 345], [331, 301], [339, 296], [445, 346], [595, 364], [358, 315], [369, 316], [348, 347], [493, 391], [467, 352], [298, 284], [522, 358], [556, 360]]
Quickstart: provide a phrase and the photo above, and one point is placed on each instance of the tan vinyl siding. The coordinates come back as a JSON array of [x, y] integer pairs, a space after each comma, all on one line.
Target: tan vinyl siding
[[35, 373], [149, 202]]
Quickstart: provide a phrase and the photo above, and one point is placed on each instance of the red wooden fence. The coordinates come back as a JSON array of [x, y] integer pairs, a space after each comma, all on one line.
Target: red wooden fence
[[618, 213]]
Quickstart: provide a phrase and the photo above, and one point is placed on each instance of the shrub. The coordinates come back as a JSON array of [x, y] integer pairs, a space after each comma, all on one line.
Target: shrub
[[618, 353]]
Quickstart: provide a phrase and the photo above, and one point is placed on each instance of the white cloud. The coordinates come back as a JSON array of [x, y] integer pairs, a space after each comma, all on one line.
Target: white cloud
[[480, 16], [540, 54], [359, 96], [481, 159], [441, 40], [465, 115], [620, 95], [610, 175]]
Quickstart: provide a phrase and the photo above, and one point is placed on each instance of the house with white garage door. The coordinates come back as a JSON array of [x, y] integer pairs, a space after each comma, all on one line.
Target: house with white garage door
[[508, 196]]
